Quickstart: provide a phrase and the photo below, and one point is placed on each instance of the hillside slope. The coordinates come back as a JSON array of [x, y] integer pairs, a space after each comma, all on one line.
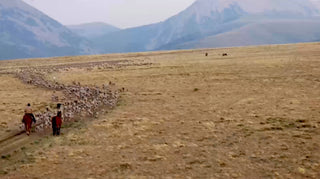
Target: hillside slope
[[26, 32], [270, 32], [93, 30]]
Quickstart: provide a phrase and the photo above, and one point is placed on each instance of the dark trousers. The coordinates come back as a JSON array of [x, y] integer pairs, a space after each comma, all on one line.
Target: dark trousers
[[55, 131], [58, 131]]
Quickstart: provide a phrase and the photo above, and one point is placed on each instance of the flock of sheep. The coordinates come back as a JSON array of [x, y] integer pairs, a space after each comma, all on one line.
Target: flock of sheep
[[77, 100]]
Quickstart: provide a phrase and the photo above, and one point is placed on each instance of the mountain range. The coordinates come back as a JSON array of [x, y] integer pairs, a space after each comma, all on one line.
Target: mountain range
[[26, 32], [206, 23]]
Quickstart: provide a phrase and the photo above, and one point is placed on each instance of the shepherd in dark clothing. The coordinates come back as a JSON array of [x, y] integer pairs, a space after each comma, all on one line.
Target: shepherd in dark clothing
[[54, 125], [56, 122], [59, 122]]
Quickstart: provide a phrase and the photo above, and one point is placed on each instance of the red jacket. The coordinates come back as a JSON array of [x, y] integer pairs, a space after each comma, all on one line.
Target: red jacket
[[58, 121], [27, 119]]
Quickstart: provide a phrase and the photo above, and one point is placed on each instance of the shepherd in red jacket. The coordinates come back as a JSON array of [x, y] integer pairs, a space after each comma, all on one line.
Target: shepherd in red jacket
[[28, 118], [56, 122]]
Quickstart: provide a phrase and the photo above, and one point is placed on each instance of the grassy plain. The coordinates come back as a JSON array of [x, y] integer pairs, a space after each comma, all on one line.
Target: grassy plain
[[14, 97], [252, 114]]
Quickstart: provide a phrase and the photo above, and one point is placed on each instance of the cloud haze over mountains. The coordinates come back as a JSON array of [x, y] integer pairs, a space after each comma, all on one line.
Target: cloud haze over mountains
[[120, 13], [26, 32]]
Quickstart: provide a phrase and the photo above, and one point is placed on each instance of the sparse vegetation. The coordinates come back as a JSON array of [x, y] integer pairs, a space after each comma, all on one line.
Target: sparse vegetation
[[251, 115], [3, 172], [6, 156]]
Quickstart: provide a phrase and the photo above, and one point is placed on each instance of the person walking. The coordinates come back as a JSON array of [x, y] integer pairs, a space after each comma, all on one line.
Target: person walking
[[54, 125], [28, 118], [28, 111], [56, 121]]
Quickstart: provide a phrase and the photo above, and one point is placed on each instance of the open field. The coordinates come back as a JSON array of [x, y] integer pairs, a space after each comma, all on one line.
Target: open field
[[14, 97], [252, 114]]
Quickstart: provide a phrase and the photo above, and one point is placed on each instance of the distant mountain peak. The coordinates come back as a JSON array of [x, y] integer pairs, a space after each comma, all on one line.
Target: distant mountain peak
[[26, 30], [44, 28]]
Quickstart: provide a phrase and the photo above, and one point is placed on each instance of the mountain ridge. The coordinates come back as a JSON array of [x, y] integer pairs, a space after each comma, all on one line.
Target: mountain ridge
[[264, 33], [27, 32]]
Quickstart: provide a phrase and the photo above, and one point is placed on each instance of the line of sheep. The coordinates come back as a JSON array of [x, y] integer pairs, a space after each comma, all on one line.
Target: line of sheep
[[77, 100]]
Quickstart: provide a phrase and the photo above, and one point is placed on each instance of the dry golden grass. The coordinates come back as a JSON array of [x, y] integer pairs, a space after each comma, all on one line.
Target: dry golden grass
[[252, 114], [14, 97]]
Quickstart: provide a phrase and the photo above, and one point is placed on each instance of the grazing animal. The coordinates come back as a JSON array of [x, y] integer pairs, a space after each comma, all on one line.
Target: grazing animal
[[207, 54], [224, 54]]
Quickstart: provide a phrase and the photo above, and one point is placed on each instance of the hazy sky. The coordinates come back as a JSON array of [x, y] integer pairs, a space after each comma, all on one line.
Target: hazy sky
[[121, 13]]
